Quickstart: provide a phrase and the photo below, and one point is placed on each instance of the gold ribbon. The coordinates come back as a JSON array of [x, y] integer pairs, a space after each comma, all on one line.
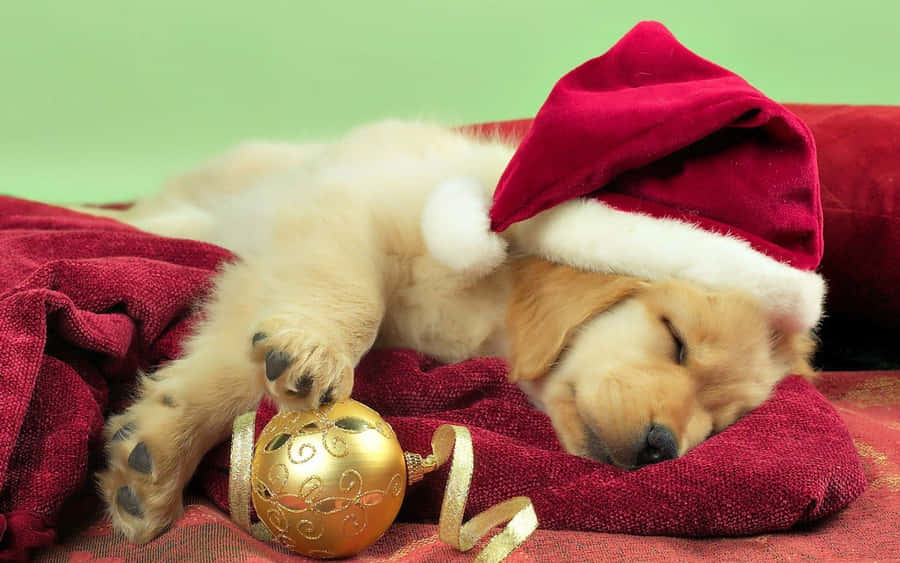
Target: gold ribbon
[[242, 431], [518, 511], [448, 440]]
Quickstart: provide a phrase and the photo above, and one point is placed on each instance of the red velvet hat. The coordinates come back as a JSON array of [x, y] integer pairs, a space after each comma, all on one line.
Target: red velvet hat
[[652, 161]]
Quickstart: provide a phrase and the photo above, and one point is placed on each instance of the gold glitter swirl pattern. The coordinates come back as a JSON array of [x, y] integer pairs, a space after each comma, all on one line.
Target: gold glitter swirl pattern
[[331, 480]]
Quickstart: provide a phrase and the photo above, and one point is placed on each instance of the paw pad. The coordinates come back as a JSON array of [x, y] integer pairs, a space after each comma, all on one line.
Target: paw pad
[[276, 362], [139, 459], [124, 432], [327, 397], [302, 386], [127, 500]]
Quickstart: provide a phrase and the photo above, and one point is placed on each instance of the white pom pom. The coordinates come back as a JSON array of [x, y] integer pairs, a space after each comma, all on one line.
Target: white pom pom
[[457, 229]]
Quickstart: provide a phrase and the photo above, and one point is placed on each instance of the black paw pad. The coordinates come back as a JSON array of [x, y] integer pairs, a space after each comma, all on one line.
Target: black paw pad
[[276, 362], [258, 337], [127, 500], [139, 458], [327, 397], [303, 386], [125, 432]]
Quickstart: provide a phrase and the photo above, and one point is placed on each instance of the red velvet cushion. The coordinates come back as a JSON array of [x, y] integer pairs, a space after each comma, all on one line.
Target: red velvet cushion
[[859, 170]]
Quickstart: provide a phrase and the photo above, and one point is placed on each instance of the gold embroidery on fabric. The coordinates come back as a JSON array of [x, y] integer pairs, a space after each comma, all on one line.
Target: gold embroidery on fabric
[[867, 451], [890, 483], [887, 474], [876, 392]]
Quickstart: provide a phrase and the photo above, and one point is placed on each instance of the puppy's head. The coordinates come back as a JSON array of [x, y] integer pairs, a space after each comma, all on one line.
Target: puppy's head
[[633, 372]]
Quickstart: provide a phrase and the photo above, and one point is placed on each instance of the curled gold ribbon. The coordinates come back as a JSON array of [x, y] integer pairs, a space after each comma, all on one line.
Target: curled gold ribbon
[[239, 479], [448, 441], [518, 511]]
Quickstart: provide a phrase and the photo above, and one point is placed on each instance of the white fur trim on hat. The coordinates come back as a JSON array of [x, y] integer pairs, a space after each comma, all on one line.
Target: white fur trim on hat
[[457, 230], [590, 235]]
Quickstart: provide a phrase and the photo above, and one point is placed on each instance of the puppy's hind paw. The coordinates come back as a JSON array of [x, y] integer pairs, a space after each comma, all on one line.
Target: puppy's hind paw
[[302, 373], [141, 498]]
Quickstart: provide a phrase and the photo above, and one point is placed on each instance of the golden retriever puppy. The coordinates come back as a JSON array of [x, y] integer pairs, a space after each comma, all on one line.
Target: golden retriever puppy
[[333, 261]]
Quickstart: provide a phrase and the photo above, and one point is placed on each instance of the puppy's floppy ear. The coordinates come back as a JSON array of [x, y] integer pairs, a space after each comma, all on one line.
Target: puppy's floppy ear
[[548, 303], [795, 349]]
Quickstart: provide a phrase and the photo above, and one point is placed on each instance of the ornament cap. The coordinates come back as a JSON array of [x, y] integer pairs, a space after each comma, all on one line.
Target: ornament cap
[[417, 466]]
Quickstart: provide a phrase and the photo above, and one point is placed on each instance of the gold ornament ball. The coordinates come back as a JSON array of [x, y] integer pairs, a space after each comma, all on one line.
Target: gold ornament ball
[[328, 483]]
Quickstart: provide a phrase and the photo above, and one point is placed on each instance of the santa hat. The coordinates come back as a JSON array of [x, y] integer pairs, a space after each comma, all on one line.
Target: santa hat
[[654, 162]]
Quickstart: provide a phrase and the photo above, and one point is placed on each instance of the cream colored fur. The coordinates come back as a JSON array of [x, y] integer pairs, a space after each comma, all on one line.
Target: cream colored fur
[[333, 261]]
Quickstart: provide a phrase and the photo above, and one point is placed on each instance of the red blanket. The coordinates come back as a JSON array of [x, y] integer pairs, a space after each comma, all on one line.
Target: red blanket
[[84, 302]]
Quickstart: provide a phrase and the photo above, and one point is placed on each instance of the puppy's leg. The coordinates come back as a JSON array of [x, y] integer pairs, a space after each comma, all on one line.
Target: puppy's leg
[[319, 312], [182, 411], [293, 325]]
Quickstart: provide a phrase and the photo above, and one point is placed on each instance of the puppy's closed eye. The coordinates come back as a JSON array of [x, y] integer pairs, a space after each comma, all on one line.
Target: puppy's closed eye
[[680, 348]]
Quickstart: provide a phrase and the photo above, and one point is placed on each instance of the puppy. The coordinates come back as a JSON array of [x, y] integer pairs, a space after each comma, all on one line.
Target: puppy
[[333, 261]]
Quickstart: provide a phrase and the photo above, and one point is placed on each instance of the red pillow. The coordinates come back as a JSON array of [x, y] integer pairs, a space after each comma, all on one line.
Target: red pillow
[[859, 170], [790, 461]]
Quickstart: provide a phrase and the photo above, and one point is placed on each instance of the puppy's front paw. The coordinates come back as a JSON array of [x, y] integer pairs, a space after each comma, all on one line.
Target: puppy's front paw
[[302, 372]]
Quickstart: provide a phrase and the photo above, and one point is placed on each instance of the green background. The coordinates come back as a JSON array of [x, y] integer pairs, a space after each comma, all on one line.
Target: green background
[[101, 100]]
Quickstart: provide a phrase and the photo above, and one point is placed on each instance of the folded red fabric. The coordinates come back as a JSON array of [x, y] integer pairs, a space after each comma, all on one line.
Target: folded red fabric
[[84, 302]]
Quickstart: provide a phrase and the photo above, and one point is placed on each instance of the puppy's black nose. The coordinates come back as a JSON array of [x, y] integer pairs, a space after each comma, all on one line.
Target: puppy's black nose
[[659, 445]]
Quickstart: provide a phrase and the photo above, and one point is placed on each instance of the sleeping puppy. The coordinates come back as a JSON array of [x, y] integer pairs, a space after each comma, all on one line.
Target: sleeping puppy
[[333, 261], [633, 372]]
